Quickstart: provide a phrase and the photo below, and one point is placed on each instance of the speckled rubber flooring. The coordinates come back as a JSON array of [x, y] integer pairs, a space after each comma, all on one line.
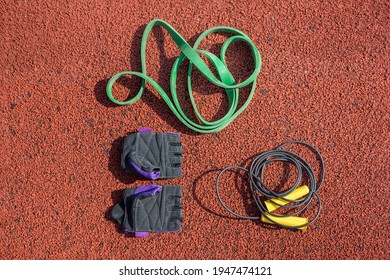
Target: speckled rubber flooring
[[324, 80]]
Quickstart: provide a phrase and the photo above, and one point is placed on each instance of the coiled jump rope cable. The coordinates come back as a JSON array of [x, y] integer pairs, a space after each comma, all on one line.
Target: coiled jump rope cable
[[296, 199], [225, 79]]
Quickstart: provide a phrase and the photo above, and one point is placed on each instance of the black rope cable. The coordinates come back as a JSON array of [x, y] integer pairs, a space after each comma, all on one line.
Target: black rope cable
[[259, 190]]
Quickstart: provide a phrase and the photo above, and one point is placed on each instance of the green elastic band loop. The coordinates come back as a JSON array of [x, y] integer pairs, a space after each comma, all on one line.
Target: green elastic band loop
[[225, 79]]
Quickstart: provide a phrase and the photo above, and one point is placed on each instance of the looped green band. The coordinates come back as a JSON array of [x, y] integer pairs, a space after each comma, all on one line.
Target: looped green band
[[225, 79]]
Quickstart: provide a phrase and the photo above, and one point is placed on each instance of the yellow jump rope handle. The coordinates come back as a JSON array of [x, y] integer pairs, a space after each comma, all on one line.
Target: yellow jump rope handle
[[296, 194], [291, 221], [288, 220]]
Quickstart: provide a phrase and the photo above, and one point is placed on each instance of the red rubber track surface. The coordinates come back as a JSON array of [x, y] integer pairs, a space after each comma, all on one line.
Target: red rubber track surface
[[324, 80]]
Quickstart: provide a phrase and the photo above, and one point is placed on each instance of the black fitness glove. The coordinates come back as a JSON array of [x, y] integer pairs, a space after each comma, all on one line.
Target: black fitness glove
[[152, 154], [150, 208]]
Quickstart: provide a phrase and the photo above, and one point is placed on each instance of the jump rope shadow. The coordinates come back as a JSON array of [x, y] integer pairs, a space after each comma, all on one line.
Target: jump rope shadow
[[166, 62], [242, 188]]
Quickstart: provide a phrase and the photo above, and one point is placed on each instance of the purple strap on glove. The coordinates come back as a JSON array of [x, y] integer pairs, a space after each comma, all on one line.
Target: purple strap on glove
[[142, 234], [144, 129], [148, 189], [151, 175]]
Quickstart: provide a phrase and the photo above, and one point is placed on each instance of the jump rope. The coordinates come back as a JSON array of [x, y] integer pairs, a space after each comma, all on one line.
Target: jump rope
[[298, 197]]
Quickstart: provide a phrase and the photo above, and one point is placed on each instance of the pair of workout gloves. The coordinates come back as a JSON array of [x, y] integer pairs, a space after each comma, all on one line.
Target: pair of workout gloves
[[151, 208]]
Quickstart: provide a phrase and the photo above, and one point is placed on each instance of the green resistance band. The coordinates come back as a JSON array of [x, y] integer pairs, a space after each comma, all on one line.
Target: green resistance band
[[225, 80]]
